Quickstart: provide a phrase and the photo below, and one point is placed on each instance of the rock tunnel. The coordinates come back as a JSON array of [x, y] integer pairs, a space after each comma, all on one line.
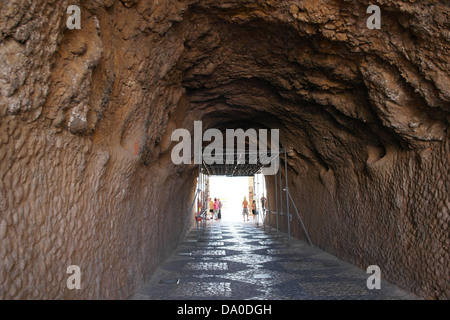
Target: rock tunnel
[[86, 176]]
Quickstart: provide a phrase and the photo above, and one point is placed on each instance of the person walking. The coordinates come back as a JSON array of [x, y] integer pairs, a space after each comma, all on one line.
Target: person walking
[[211, 207], [220, 209], [216, 208], [263, 203], [245, 208], [255, 213]]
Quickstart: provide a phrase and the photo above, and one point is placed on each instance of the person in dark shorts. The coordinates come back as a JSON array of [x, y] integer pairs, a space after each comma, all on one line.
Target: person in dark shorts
[[220, 210], [255, 213], [245, 208], [211, 207]]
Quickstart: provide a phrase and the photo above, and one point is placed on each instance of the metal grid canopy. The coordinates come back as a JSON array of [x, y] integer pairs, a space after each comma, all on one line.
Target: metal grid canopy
[[245, 164]]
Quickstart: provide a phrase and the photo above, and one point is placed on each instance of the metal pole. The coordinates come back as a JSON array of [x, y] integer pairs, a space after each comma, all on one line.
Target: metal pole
[[199, 189], [287, 192], [281, 198], [276, 198], [301, 221], [267, 203], [258, 203], [255, 196], [258, 199], [262, 211], [204, 203], [201, 196]]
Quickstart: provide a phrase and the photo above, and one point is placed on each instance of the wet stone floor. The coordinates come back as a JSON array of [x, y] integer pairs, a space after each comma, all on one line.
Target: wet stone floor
[[239, 261]]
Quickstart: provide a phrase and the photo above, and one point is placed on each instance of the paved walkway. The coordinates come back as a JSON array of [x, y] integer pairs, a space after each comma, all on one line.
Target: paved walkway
[[239, 261]]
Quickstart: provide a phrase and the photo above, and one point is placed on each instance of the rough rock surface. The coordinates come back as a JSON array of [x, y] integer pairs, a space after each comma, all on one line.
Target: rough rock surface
[[86, 117]]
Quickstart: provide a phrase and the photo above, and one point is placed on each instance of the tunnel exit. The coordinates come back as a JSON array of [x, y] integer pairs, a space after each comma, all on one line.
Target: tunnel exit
[[231, 192]]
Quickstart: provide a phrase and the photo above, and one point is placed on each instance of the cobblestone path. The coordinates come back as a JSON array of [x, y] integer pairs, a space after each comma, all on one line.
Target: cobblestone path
[[239, 261]]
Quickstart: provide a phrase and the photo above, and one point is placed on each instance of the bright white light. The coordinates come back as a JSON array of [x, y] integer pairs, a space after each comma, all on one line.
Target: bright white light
[[231, 191]]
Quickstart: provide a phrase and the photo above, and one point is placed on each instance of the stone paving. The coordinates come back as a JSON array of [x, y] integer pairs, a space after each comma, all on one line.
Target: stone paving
[[238, 261]]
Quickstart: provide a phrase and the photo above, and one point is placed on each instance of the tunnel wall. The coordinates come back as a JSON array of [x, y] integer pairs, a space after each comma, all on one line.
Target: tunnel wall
[[66, 202], [392, 213], [78, 186]]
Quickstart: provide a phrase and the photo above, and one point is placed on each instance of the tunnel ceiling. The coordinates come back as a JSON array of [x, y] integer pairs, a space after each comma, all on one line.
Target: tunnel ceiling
[[292, 65], [338, 91]]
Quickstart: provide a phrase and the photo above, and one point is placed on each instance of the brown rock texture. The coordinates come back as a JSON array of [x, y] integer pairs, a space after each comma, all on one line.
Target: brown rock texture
[[86, 176]]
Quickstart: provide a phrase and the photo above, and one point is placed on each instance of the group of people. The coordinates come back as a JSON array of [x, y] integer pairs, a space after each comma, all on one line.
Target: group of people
[[215, 208], [246, 205]]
